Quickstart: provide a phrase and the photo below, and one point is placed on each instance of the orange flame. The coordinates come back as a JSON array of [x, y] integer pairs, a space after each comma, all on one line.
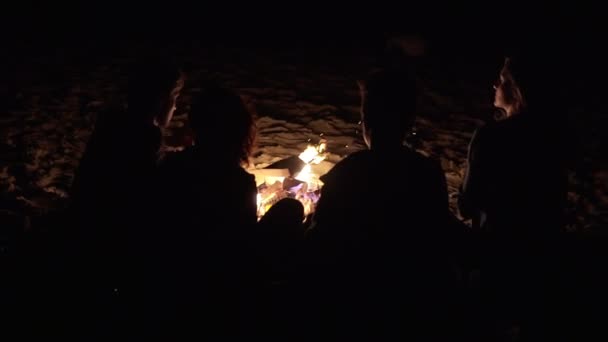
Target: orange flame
[[313, 154]]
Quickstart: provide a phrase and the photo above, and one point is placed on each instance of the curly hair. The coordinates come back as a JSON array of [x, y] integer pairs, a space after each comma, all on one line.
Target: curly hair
[[219, 117], [533, 80], [512, 90]]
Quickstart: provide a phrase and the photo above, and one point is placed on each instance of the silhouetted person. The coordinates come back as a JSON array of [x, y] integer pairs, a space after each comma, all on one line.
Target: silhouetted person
[[378, 232], [515, 190], [278, 244], [123, 151], [112, 190], [208, 214], [515, 181], [281, 230]]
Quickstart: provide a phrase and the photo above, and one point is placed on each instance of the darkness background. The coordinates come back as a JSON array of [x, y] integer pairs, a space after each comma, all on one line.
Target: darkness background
[[464, 40], [457, 27]]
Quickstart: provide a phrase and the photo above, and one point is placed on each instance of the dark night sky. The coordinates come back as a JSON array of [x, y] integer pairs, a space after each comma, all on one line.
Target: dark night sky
[[490, 25], [458, 33]]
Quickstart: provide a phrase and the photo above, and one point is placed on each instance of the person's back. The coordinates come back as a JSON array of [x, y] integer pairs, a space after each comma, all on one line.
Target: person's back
[[111, 197], [206, 182], [375, 190], [521, 186], [214, 197], [389, 185], [379, 230], [118, 159], [119, 162], [206, 214]]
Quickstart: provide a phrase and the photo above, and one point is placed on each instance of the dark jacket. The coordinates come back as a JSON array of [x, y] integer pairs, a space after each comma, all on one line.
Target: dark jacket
[[111, 204], [402, 190], [205, 218], [377, 245], [116, 171], [206, 191], [515, 181]]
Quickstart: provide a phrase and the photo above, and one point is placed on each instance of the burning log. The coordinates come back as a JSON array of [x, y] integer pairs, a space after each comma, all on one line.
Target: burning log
[[294, 164]]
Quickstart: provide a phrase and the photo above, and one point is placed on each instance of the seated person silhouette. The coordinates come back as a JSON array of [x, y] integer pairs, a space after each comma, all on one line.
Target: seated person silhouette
[[207, 181], [280, 234], [207, 214], [111, 195], [380, 225], [515, 182], [123, 151], [515, 192]]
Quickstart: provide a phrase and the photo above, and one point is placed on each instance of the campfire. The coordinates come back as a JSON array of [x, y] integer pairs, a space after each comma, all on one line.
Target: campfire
[[291, 177]]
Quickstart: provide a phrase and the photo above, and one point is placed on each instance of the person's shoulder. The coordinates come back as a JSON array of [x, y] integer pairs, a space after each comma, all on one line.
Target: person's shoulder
[[489, 131], [353, 161], [246, 176], [489, 127], [520, 127], [357, 157], [427, 164], [228, 173], [508, 125], [173, 161]]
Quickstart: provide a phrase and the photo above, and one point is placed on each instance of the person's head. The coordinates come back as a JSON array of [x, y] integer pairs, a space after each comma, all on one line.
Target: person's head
[[285, 219], [388, 104], [524, 83], [220, 119], [154, 86], [508, 96]]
